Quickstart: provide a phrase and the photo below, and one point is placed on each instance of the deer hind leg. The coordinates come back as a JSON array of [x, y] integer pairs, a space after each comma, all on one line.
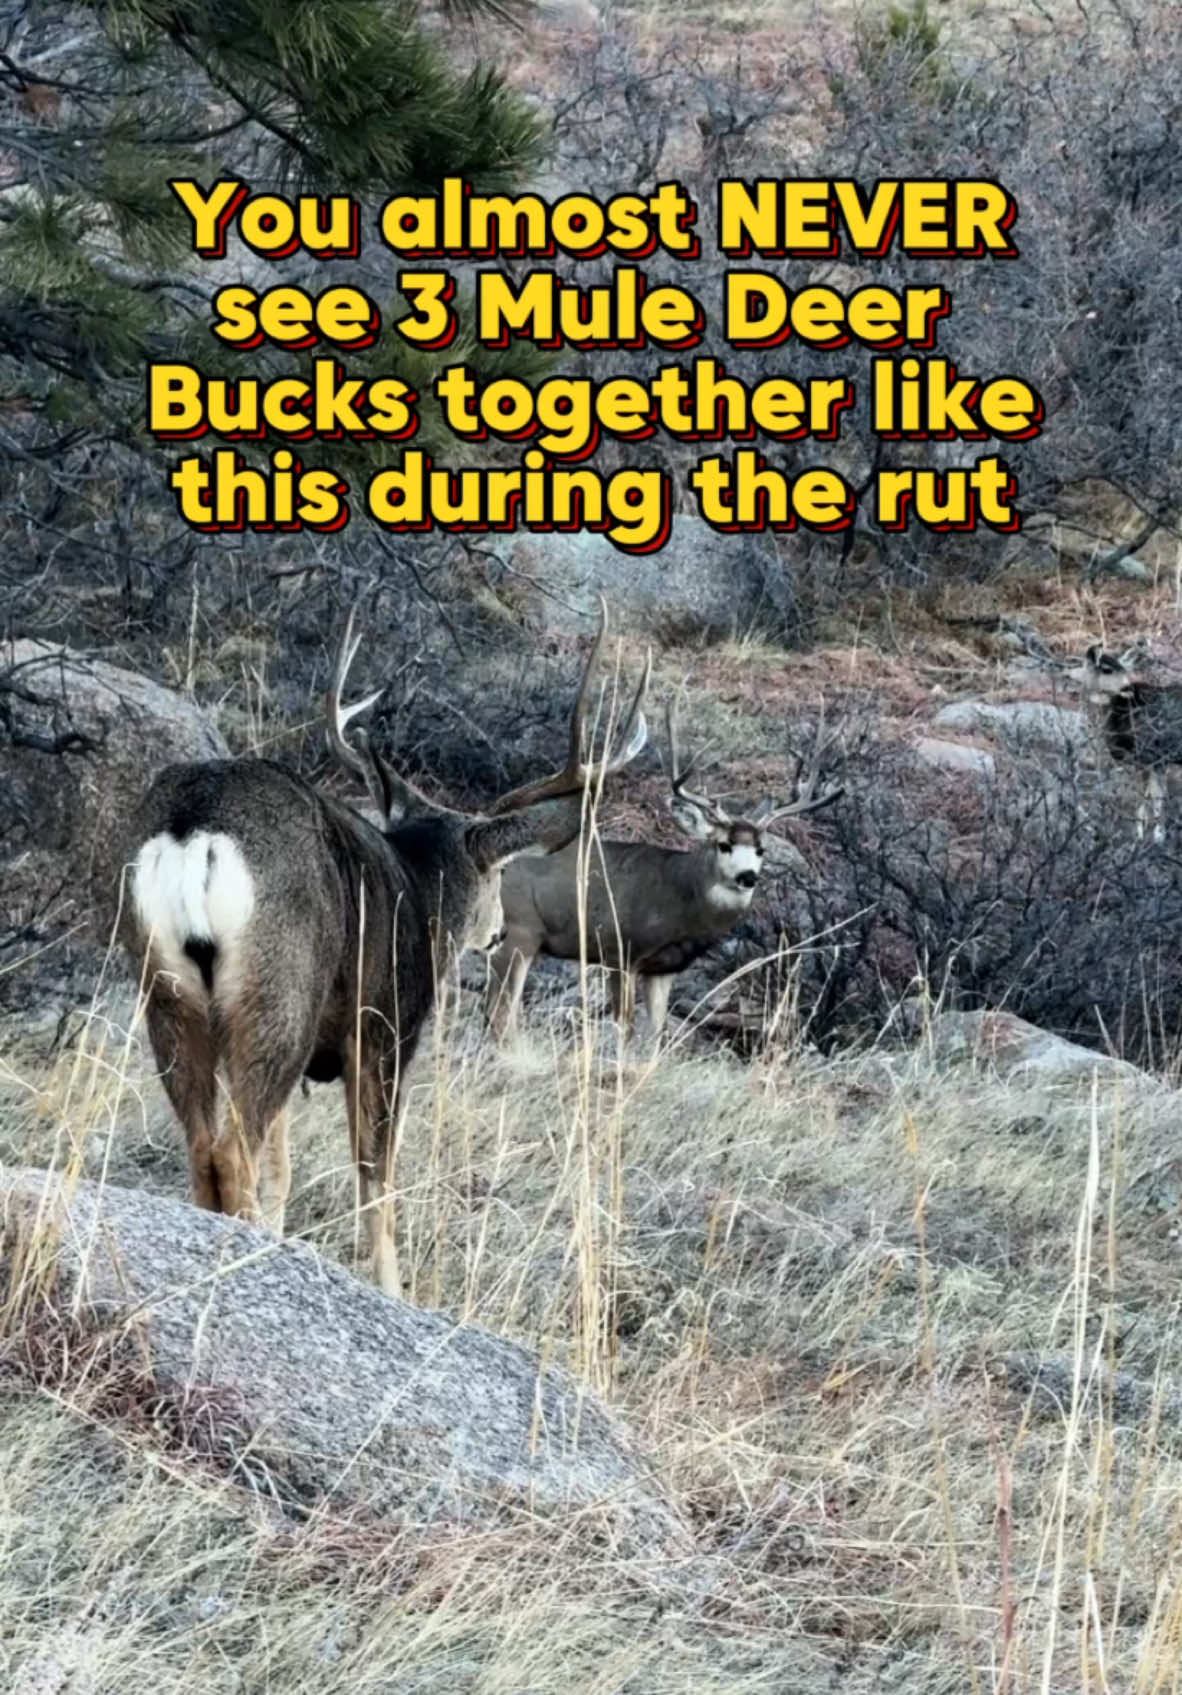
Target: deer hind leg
[[508, 969], [274, 1172], [183, 1044], [265, 1041], [622, 983], [1155, 788], [250, 1152], [375, 1122], [656, 1004], [235, 1166]]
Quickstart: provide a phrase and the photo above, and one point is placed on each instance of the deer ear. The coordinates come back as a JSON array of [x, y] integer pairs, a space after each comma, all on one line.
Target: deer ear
[[539, 829], [691, 819]]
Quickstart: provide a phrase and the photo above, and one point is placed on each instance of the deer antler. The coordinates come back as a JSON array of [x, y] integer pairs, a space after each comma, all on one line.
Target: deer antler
[[806, 798], [393, 794], [389, 792], [679, 773], [576, 774]]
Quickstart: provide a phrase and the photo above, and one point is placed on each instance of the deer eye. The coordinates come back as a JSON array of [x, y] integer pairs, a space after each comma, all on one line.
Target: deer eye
[[724, 847]]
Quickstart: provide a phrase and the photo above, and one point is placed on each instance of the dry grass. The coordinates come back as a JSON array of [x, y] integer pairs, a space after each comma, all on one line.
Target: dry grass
[[819, 1292]]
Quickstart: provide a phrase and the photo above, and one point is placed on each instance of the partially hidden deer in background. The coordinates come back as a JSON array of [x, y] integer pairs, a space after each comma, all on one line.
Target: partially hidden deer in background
[[281, 935], [643, 911], [1141, 724]]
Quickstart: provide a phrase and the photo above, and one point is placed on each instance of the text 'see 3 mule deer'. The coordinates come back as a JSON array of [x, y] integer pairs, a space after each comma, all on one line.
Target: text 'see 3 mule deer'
[[281, 935], [1141, 724], [647, 911]]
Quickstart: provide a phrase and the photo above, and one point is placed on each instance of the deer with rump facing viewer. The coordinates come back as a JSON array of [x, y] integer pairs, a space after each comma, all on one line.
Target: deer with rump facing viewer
[[281, 935]]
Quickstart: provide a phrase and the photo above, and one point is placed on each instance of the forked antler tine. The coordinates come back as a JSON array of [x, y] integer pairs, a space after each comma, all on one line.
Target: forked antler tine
[[804, 790], [578, 719], [805, 797], [825, 742], [679, 773], [338, 715], [675, 772], [820, 739], [577, 774], [387, 789], [797, 808], [635, 722], [633, 731], [346, 714], [347, 650], [821, 746]]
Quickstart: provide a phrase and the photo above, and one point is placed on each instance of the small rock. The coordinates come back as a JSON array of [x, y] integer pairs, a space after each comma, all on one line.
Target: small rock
[[1019, 723], [954, 756], [1018, 1050]]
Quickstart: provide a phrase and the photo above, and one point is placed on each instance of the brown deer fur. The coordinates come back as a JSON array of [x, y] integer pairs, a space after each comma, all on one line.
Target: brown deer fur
[[643, 911], [281, 935]]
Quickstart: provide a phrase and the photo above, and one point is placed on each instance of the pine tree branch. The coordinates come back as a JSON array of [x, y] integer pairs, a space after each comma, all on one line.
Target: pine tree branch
[[25, 77], [254, 114]]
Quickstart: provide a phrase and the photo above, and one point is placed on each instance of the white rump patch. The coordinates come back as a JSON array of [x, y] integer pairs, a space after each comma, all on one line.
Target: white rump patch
[[197, 890]]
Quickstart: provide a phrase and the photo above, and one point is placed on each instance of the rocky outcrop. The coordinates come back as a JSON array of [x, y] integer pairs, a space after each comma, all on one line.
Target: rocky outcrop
[[700, 586], [79, 742], [315, 1386]]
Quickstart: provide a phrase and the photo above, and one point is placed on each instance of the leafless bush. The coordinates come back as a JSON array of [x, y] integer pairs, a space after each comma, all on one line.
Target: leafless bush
[[1089, 314], [1028, 890], [1082, 127]]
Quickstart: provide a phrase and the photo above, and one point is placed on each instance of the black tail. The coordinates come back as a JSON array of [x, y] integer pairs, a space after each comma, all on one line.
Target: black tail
[[202, 953]]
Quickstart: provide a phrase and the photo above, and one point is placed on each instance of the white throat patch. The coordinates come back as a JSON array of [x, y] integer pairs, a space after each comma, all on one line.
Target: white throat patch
[[729, 899]]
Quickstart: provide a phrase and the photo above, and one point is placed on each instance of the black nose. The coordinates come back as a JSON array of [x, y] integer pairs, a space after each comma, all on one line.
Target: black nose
[[746, 879]]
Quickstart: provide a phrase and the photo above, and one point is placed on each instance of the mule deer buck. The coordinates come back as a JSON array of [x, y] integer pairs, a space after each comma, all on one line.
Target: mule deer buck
[[641, 910], [281, 935], [1141, 724]]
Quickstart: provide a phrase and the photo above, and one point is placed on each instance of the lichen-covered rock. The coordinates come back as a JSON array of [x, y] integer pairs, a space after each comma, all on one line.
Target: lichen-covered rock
[[330, 1392]]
